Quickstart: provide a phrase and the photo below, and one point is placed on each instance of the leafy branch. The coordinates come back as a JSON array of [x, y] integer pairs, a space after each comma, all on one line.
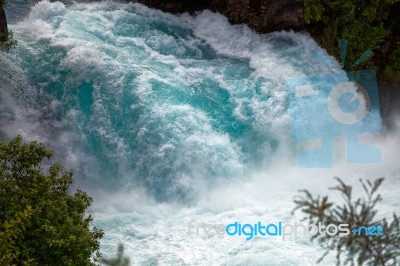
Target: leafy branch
[[353, 249], [120, 260]]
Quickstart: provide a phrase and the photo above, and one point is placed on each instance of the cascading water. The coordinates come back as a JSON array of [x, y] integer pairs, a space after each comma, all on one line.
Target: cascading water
[[171, 119]]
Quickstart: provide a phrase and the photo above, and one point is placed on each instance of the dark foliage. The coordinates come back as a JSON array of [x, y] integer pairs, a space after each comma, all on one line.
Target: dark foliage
[[6, 36], [367, 24], [353, 249]]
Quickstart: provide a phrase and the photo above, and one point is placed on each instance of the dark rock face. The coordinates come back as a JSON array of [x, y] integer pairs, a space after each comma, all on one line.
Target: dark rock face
[[178, 6], [389, 97], [3, 26], [261, 15], [265, 15], [3, 20]]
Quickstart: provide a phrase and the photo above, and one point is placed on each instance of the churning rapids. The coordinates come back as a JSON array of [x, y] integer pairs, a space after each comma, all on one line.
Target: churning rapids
[[168, 120]]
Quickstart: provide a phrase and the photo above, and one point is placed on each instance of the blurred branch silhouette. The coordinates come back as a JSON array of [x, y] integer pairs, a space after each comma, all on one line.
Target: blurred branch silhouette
[[120, 260], [353, 249]]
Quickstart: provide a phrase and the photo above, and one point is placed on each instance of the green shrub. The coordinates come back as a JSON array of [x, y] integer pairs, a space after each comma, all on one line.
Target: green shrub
[[353, 249], [41, 223], [6, 40], [368, 24]]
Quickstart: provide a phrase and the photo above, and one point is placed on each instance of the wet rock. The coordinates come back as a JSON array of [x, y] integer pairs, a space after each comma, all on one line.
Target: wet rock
[[3, 20], [260, 15]]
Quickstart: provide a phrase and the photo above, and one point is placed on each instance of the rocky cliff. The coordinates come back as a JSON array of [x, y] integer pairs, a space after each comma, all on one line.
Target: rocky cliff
[[3, 20], [261, 15]]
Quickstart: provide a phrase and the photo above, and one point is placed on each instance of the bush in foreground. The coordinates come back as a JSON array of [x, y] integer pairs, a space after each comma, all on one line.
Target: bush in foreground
[[41, 223], [354, 249]]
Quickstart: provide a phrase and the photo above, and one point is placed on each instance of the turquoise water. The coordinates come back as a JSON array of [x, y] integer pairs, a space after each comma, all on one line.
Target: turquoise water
[[167, 119], [153, 103]]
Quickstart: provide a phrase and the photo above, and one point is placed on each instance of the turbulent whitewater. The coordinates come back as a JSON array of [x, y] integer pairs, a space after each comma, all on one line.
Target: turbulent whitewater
[[170, 119]]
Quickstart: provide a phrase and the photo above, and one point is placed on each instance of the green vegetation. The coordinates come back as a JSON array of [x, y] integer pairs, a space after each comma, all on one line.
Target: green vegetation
[[366, 24], [40, 222], [6, 40], [356, 250]]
